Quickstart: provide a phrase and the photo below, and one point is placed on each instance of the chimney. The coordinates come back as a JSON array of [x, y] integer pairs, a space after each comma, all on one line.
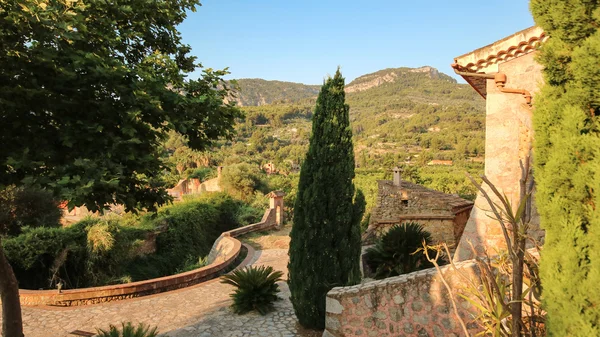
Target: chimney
[[219, 172], [397, 173]]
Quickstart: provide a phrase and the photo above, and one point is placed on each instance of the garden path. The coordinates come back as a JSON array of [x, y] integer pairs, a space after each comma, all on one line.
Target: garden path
[[198, 311]]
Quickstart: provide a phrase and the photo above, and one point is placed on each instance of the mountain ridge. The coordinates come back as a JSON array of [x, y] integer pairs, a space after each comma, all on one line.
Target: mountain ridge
[[258, 92]]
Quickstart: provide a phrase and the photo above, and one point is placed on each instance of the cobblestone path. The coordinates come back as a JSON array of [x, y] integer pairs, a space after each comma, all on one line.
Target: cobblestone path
[[199, 311]]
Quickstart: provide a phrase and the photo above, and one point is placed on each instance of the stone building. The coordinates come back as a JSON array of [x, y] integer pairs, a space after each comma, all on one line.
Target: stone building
[[269, 168], [443, 215], [506, 75], [195, 186]]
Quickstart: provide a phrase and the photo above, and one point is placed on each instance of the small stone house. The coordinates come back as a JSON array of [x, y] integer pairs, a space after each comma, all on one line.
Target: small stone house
[[194, 186], [443, 215]]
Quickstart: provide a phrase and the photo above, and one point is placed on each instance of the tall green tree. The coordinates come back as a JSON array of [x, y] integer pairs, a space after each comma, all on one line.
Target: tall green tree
[[567, 164], [325, 238], [88, 91]]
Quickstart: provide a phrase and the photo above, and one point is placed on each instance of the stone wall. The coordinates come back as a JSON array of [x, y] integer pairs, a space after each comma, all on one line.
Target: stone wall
[[509, 132], [183, 187], [442, 215], [415, 304], [229, 249], [394, 202], [460, 221], [211, 185], [442, 229]]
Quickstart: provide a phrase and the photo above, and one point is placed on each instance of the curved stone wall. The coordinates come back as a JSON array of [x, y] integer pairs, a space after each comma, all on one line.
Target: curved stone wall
[[230, 250], [223, 253]]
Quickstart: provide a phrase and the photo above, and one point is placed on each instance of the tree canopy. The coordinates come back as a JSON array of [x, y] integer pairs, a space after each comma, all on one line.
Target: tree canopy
[[325, 237], [88, 93], [88, 90], [567, 164]]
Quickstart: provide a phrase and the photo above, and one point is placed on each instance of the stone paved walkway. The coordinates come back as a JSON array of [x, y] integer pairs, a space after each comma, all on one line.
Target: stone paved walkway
[[199, 311]]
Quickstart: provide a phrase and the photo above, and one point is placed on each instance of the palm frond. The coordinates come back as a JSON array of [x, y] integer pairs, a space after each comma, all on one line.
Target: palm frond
[[128, 330], [256, 288], [394, 254]]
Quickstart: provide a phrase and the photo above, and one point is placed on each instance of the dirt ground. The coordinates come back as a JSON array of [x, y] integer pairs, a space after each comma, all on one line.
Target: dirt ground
[[274, 239]]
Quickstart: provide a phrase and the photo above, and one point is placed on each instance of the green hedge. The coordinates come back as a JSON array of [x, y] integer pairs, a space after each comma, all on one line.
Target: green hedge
[[32, 255], [97, 251], [43, 257]]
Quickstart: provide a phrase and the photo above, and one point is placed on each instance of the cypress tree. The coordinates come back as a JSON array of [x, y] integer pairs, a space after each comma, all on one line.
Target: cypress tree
[[325, 238], [567, 164]]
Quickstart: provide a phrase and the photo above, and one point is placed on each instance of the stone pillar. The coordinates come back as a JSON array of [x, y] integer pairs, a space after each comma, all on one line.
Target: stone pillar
[[508, 139], [276, 203], [397, 176]]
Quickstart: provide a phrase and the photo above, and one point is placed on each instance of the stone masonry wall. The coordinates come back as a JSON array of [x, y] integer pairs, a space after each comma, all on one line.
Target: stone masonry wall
[[509, 136], [460, 221], [415, 304], [412, 202], [442, 230], [390, 204], [210, 185]]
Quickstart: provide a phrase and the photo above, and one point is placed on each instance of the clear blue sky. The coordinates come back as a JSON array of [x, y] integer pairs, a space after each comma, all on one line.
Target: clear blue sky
[[303, 41]]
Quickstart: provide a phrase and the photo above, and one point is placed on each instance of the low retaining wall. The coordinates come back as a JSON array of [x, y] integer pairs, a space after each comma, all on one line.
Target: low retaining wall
[[415, 304], [95, 295], [268, 221], [223, 253]]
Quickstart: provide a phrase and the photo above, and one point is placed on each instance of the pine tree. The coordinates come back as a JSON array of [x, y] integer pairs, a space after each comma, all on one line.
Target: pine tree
[[325, 238], [567, 164]]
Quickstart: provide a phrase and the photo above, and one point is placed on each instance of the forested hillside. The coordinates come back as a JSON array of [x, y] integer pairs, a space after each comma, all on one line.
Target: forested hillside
[[256, 91], [400, 117], [397, 115]]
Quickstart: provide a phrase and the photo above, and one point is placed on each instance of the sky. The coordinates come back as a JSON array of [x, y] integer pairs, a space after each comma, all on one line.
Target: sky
[[305, 41]]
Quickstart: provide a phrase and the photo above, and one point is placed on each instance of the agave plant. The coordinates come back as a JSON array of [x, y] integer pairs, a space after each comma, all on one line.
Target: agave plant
[[395, 253], [128, 330], [256, 289]]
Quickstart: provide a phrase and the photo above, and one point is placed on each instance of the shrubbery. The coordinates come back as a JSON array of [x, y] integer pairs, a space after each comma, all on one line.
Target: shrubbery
[[128, 330], [396, 252], [202, 173], [88, 253], [256, 289], [242, 180], [100, 251], [27, 207]]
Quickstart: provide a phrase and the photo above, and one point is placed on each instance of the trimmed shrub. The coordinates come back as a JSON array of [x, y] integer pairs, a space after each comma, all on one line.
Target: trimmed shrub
[[396, 252], [40, 256], [256, 289], [189, 230], [128, 330]]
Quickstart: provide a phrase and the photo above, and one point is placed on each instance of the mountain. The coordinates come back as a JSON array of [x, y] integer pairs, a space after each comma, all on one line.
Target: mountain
[[421, 84], [257, 92], [390, 75], [397, 114]]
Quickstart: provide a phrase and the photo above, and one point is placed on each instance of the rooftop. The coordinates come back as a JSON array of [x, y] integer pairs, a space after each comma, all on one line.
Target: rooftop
[[486, 59], [434, 199]]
